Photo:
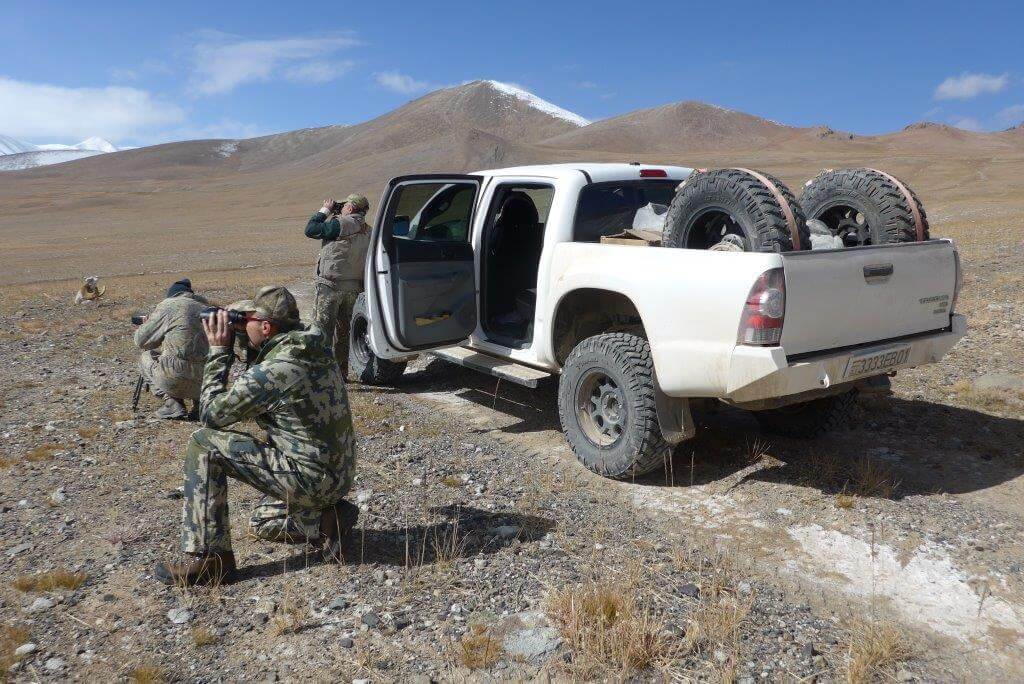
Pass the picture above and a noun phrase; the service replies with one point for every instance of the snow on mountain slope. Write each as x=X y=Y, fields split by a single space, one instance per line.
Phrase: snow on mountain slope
x=9 y=145
x=95 y=143
x=538 y=103
x=30 y=160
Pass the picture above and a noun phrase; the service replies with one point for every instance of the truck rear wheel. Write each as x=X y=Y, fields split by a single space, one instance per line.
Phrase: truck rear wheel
x=865 y=207
x=709 y=205
x=807 y=419
x=606 y=404
x=362 y=362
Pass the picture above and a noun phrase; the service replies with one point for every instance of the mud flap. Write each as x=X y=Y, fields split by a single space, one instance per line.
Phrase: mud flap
x=674 y=416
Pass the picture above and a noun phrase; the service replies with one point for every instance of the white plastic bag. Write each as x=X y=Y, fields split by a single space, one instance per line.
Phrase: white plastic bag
x=651 y=216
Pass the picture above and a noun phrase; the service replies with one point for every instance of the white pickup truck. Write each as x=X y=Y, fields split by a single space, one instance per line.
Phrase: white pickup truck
x=505 y=271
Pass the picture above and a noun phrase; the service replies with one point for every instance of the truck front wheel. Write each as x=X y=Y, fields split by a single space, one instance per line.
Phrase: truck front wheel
x=606 y=404
x=369 y=368
x=807 y=419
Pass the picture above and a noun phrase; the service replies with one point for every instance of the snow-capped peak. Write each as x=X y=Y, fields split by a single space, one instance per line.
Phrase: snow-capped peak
x=538 y=103
x=9 y=145
x=96 y=143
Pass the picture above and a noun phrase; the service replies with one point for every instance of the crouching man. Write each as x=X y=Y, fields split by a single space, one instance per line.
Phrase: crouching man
x=174 y=350
x=295 y=392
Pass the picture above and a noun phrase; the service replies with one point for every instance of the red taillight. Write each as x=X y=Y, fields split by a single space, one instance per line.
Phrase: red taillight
x=653 y=173
x=765 y=310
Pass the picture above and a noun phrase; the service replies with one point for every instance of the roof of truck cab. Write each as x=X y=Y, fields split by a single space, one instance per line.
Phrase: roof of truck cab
x=597 y=172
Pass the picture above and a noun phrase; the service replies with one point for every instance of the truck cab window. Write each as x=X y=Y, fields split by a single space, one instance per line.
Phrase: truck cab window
x=609 y=208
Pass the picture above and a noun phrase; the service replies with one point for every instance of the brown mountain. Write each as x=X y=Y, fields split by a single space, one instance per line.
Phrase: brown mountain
x=202 y=203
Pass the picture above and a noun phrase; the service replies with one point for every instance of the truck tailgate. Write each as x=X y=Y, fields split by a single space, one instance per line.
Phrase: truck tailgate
x=841 y=298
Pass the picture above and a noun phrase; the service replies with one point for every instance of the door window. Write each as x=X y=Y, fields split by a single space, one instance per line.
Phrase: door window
x=433 y=212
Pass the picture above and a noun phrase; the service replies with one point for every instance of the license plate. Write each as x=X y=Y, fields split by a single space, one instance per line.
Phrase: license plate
x=876 y=362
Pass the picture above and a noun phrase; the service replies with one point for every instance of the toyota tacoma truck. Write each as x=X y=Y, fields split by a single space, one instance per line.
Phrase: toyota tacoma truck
x=511 y=272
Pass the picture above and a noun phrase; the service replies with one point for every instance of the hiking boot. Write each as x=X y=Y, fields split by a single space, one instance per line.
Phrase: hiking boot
x=173 y=409
x=336 y=525
x=193 y=415
x=207 y=568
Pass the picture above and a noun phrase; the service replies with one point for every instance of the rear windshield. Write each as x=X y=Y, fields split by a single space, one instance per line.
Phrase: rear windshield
x=609 y=208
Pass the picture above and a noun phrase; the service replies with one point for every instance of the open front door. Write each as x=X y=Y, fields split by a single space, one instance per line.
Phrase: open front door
x=424 y=275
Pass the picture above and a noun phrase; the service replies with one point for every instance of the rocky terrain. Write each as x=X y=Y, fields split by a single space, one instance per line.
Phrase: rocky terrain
x=477 y=555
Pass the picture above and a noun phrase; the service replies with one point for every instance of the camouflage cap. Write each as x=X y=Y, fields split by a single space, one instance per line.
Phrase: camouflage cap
x=274 y=303
x=358 y=202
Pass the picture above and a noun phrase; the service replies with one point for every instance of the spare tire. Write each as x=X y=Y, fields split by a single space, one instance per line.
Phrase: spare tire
x=865 y=207
x=750 y=204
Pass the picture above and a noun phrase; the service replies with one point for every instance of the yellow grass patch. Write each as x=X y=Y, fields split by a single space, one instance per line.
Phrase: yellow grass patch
x=50 y=581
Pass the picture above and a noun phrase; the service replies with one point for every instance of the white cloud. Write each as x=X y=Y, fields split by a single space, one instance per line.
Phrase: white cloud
x=967 y=123
x=222 y=62
x=318 y=72
x=1012 y=115
x=40 y=110
x=586 y=85
x=224 y=128
x=117 y=74
x=968 y=85
x=400 y=83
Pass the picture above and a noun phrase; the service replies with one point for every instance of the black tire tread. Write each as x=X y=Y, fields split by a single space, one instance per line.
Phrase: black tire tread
x=899 y=223
x=634 y=354
x=758 y=201
x=377 y=371
x=810 y=419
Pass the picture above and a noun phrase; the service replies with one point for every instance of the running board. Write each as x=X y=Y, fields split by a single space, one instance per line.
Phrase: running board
x=492 y=365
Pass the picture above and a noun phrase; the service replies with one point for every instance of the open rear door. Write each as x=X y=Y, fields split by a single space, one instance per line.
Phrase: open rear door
x=423 y=269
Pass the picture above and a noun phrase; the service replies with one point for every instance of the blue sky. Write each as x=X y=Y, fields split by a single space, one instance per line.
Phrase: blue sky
x=141 y=72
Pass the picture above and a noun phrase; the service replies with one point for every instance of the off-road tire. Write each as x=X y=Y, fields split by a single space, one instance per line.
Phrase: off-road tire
x=745 y=199
x=626 y=360
x=886 y=210
x=363 y=364
x=808 y=419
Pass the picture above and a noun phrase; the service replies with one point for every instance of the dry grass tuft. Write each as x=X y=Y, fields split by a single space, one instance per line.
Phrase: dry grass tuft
x=290 y=617
x=202 y=636
x=874 y=652
x=88 y=432
x=452 y=481
x=41 y=453
x=147 y=674
x=50 y=581
x=609 y=629
x=32 y=326
x=11 y=637
x=844 y=500
x=873 y=478
x=987 y=399
x=479 y=649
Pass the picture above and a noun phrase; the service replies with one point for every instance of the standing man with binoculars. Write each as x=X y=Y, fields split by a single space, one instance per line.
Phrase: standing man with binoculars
x=294 y=391
x=345 y=238
x=174 y=350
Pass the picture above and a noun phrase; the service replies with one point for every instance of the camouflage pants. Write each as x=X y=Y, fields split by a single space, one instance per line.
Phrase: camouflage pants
x=332 y=310
x=296 y=493
x=171 y=377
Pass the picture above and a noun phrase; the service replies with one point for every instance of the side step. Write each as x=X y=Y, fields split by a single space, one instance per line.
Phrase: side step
x=492 y=365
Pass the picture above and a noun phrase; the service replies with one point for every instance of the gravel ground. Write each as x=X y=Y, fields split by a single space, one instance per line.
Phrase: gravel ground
x=483 y=552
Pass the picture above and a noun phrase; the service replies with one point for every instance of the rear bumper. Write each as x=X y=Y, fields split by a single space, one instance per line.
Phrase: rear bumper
x=759 y=373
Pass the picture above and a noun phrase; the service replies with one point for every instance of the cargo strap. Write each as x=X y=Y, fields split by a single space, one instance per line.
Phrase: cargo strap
x=918 y=220
x=787 y=211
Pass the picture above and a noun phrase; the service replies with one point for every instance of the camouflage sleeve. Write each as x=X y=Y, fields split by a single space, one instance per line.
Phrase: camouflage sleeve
x=150 y=334
x=251 y=394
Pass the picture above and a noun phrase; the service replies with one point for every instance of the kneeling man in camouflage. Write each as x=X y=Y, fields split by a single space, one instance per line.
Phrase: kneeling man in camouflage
x=295 y=392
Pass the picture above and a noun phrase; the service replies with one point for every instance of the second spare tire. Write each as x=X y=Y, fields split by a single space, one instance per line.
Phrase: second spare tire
x=865 y=207
x=751 y=205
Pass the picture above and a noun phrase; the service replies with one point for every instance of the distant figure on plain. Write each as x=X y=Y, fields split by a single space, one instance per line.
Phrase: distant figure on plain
x=345 y=238
x=174 y=350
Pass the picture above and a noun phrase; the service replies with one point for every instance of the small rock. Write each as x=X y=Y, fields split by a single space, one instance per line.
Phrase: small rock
x=25 y=649
x=339 y=603
x=54 y=664
x=504 y=531
x=40 y=604
x=455 y=609
x=417 y=481
x=905 y=676
x=58 y=497
x=364 y=496
x=345 y=642
x=179 y=616
x=690 y=590
x=370 y=619
x=20 y=548
x=808 y=651
x=360 y=681
x=744 y=588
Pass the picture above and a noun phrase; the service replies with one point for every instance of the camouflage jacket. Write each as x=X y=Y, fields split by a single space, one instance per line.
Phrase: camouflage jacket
x=343 y=247
x=295 y=392
x=176 y=328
